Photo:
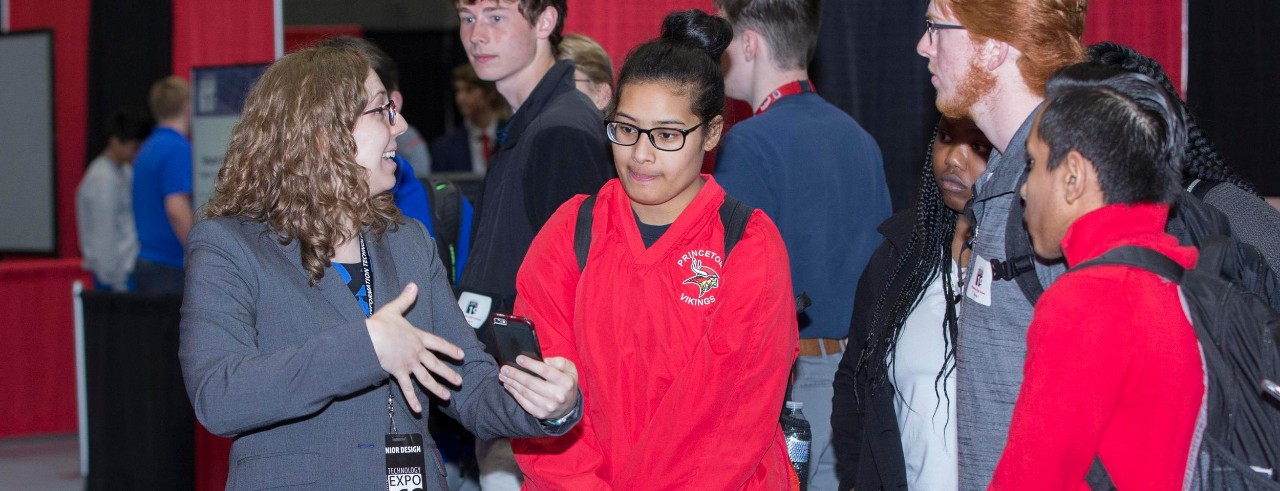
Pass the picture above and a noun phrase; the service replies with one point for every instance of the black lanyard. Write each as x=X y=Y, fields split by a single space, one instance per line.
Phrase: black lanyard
x=368 y=278
x=368 y=289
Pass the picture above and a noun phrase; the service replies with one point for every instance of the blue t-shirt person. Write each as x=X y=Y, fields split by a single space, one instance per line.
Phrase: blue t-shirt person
x=162 y=168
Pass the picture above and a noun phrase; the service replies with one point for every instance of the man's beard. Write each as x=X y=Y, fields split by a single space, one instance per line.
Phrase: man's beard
x=977 y=85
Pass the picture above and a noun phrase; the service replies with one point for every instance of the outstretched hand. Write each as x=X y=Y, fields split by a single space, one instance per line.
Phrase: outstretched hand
x=550 y=397
x=405 y=350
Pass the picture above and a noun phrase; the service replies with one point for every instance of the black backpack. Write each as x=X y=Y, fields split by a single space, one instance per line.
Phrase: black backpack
x=1239 y=337
x=1191 y=220
x=446 y=220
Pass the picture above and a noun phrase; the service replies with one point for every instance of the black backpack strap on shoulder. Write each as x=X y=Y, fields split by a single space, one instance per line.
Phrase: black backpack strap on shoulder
x=1020 y=262
x=1200 y=187
x=446 y=208
x=582 y=231
x=734 y=215
x=1213 y=250
x=1138 y=257
x=430 y=188
x=1098 y=478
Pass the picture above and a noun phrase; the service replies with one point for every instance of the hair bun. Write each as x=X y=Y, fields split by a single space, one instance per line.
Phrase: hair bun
x=710 y=33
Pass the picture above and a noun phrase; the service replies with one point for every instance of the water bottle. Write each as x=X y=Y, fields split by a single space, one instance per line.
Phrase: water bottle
x=796 y=432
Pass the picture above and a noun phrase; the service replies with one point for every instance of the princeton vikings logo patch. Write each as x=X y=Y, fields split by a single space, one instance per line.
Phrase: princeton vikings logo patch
x=703 y=264
x=704 y=277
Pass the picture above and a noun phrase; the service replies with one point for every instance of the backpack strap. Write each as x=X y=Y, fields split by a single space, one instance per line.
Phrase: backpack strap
x=1138 y=257
x=1214 y=251
x=582 y=231
x=1200 y=187
x=446 y=208
x=1098 y=478
x=446 y=220
x=1020 y=256
x=734 y=215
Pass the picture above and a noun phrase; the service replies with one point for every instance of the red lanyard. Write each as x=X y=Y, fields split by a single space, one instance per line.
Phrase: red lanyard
x=790 y=89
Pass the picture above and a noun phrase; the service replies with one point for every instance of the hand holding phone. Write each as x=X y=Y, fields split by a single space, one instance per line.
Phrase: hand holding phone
x=547 y=389
x=514 y=336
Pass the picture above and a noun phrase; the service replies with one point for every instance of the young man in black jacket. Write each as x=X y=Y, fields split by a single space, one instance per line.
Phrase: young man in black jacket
x=551 y=149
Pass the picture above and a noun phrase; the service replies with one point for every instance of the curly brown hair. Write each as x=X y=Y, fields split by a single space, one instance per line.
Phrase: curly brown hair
x=291 y=162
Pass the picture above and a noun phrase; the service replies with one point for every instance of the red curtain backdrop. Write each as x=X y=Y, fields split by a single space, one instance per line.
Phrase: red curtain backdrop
x=69 y=20
x=620 y=26
x=298 y=37
x=1153 y=27
x=37 y=346
x=225 y=32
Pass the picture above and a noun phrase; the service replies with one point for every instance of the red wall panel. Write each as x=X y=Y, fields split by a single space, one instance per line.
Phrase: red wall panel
x=225 y=32
x=37 y=346
x=1153 y=27
x=620 y=26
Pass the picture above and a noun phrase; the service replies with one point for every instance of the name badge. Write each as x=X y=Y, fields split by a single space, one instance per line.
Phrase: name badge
x=405 y=462
x=475 y=308
x=979 y=286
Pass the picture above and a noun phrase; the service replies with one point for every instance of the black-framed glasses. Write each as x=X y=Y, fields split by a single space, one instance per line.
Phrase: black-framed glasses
x=666 y=139
x=932 y=28
x=389 y=108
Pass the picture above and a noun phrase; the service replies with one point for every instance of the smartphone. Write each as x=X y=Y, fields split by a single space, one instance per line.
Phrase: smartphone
x=514 y=336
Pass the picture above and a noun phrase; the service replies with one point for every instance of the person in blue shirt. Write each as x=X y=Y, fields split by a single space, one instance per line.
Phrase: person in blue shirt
x=162 y=207
x=817 y=174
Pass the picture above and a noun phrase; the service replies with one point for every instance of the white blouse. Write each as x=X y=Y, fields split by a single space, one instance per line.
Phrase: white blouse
x=926 y=407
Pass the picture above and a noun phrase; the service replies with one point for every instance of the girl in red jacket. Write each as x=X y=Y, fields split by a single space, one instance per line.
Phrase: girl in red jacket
x=683 y=351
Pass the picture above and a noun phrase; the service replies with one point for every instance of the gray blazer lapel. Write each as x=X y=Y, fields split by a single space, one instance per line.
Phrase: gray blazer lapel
x=330 y=286
x=386 y=280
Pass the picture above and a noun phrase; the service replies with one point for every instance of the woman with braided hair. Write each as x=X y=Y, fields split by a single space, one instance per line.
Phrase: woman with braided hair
x=1252 y=220
x=893 y=420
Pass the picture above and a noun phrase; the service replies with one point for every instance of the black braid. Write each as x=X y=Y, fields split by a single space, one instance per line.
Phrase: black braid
x=922 y=259
x=1201 y=159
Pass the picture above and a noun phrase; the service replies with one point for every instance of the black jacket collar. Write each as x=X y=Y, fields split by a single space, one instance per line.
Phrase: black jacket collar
x=897 y=228
x=556 y=81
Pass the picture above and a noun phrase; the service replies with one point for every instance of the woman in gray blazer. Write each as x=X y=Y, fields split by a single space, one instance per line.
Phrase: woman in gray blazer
x=285 y=346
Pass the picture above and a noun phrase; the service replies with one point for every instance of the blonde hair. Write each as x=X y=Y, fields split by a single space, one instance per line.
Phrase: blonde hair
x=589 y=57
x=169 y=97
x=291 y=162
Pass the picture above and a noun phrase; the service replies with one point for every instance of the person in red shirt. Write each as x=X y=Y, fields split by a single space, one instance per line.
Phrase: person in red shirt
x=683 y=351
x=1113 y=366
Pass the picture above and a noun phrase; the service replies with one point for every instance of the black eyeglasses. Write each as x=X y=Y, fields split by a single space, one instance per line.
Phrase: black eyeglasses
x=666 y=139
x=389 y=108
x=932 y=27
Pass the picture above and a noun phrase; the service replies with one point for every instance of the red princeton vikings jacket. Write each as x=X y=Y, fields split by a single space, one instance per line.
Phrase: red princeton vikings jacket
x=682 y=353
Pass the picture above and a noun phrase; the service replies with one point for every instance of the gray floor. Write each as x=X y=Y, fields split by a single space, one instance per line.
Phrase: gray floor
x=40 y=463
